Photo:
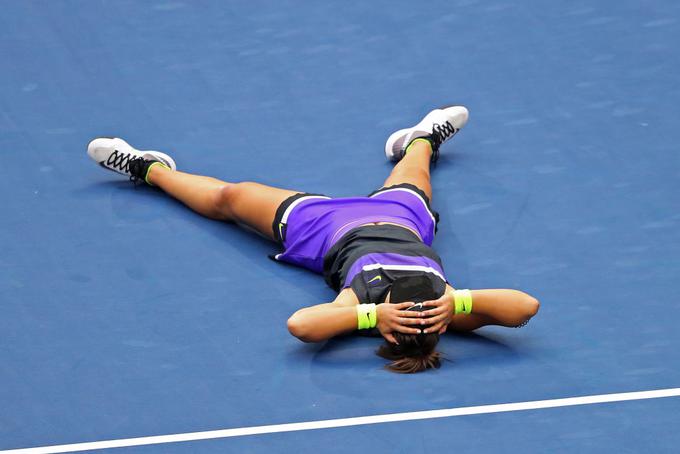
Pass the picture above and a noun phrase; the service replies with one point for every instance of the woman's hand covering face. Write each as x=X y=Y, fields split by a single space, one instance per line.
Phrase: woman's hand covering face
x=440 y=313
x=395 y=317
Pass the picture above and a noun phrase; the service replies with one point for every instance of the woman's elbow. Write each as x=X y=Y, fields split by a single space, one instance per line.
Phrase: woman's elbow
x=299 y=328
x=530 y=307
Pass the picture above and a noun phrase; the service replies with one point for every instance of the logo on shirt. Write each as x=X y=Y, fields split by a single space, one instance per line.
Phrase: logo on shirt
x=377 y=278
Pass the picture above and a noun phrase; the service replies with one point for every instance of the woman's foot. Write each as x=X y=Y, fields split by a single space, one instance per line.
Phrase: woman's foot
x=118 y=156
x=437 y=127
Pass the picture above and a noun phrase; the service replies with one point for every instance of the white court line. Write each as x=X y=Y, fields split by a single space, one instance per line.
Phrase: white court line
x=346 y=422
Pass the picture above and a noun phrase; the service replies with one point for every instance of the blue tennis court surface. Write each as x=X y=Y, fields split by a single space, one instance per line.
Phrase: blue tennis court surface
x=126 y=315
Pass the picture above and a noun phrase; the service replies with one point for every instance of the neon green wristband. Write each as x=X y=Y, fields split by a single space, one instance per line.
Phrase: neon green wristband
x=367 y=316
x=462 y=301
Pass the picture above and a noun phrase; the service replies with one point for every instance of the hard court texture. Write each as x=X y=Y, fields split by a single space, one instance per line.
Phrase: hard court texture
x=123 y=314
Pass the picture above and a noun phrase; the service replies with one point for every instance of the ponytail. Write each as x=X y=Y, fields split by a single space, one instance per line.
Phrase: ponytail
x=414 y=353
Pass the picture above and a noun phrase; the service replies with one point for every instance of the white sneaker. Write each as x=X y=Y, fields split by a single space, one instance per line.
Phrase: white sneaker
x=116 y=154
x=438 y=126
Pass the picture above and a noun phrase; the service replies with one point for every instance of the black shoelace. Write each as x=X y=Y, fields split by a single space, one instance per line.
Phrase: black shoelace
x=118 y=160
x=136 y=167
x=125 y=162
x=439 y=134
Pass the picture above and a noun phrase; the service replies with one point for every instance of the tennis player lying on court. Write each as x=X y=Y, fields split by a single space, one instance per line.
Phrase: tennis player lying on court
x=373 y=250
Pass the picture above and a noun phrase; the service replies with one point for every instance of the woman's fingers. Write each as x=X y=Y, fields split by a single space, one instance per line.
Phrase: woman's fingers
x=413 y=314
x=438 y=302
x=436 y=328
x=406 y=329
x=410 y=321
x=437 y=323
x=398 y=318
x=421 y=321
x=435 y=311
x=390 y=338
x=432 y=302
x=438 y=318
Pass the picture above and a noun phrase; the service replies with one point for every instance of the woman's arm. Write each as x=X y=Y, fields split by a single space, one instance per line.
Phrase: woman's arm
x=502 y=307
x=323 y=321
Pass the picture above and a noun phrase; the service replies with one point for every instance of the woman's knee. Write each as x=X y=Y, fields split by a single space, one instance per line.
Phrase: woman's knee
x=225 y=199
x=229 y=196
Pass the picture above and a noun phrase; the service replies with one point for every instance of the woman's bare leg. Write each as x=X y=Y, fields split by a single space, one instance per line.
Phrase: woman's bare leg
x=414 y=168
x=252 y=205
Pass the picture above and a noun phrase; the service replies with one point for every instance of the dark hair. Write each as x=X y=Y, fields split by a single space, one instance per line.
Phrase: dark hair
x=414 y=352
